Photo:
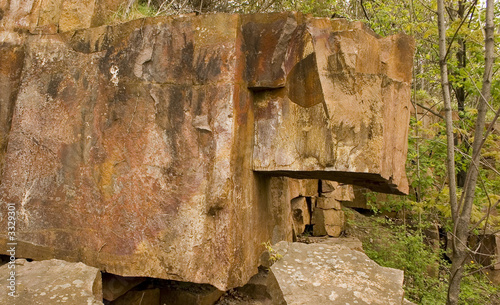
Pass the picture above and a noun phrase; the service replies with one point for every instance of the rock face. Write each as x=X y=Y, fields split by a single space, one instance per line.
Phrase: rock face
x=151 y=148
x=52 y=282
x=323 y=274
x=49 y=17
x=346 y=121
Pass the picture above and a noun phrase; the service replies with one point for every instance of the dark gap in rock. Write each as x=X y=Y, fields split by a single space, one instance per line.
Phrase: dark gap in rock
x=308 y=230
x=365 y=212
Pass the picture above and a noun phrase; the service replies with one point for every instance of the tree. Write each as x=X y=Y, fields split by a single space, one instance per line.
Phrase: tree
x=462 y=209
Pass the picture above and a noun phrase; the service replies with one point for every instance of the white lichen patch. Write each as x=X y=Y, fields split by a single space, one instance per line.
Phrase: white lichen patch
x=333 y=296
x=114 y=74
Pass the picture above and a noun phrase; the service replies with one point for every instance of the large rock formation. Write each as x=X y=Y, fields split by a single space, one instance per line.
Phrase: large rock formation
x=151 y=148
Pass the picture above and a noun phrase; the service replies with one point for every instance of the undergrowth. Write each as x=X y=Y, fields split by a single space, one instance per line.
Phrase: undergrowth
x=393 y=244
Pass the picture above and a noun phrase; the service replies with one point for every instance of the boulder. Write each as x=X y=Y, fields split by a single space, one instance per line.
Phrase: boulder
x=335 y=189
x=303 y=187
x=156 y=147
x=326 y=203
x=341 y=192
x=51 y=282
x=323 y=274
x=327 y=222
x=328 y=186
x=300 y=213
x=345 y=131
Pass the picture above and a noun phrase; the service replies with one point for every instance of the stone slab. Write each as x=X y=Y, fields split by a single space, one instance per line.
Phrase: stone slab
x=51 y=282
x=323 y=274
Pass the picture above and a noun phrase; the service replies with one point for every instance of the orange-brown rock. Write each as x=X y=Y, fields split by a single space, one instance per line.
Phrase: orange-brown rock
x=149 y=148
x=328 y=222
x=300 y=214
x=11 y=58
x=52 y=16
x=343 y=112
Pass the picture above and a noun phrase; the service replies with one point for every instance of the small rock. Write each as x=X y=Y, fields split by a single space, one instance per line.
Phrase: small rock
x=327 y=222
x=52 y=282
x=326 y=203
x=303 y=187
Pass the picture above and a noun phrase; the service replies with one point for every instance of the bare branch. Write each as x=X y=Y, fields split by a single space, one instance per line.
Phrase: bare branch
x=430 y=110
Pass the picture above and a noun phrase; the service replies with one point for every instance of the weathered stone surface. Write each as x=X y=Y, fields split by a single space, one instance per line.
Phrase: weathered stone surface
x=52 y=282
x=119 y=169
x=326 y=203
x=341 y=192
x=303 y=187
x=267 y=39
x=352 y=243
x=300 y=213
x=327 y=222
x=12 y=58
x=322 y=274
x=275 y=192
x=135 y=148
x=328 y=186
x=52 y=16
x=140 y=297
x=76 y=14
x=353 y=132
x=114 y=286
x=494 y=276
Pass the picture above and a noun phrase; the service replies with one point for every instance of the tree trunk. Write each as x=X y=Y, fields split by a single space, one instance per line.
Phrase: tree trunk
x=461 y=220
x=460 y=90
x=450 y=162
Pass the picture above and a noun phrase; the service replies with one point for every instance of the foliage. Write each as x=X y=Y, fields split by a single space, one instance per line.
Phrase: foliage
x=409 y=253
x=274 y=256
x=426 y=273
x=136 y=11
